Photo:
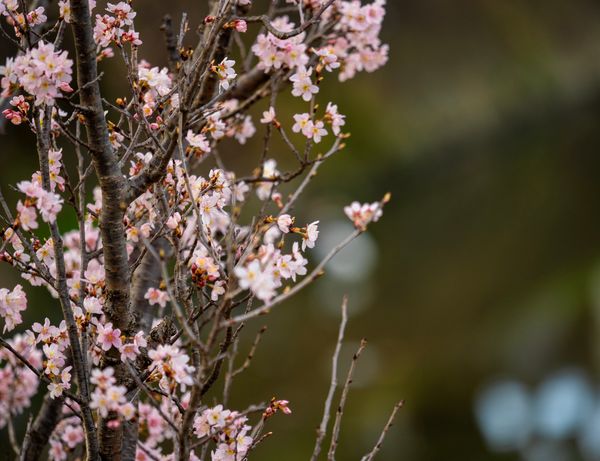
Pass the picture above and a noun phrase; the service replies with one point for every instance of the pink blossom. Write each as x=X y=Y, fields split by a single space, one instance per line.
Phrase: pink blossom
x=284 y=222
x=225 y=72
x=362 y=215
x=198 y=141
x=12 y=303
x=27 y=216
x=156 y=296
x=172 y=364
x=303 y=85
x=94 y=273
x=316 y=131
x=303 y=124
x=311 y=235
x=49 y=205
x=218 y=290
x=130 y=351
x=108 y=336
x=333 y=117
x=268 y=116
x=260 y=280
x=240 y=25
x=103 y=378
x=73 y=435
x=328 y=58
x=45 y=331
x=42 y=72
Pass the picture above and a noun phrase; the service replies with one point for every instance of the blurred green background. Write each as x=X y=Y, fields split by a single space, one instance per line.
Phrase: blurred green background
x=479 y=291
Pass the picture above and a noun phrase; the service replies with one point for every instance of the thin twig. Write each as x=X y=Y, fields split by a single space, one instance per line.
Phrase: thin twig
x=371 y=455
x=322 y=430
x=340 y=410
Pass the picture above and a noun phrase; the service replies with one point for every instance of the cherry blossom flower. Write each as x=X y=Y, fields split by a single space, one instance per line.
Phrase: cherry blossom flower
x=303 y=85
x=130 y=351
x=303 y=124
x=112 y=28
x=56 y=389
x=316 y=131
x=218 y=290
x=122 y=11
x=108 y=399
x=311 y=235
x=261 y=281
x=73 y=435
x=92 y=305
x=284 y=222
x=215 y=126
x=156 y=296
x=103 y=378
x=94 y=273
x=263 y=189
x=362 y=215
x=197 y=142
x=244 y=130
x=225 y=72
x=12 y=303
x=108 y=336
x=45 y=331
x=27 y=216
x=173 y=222
x=333 y=117
x=49 y=205
x=268 y=116
x=172 y=365
x=41 y=71
x=328 y=58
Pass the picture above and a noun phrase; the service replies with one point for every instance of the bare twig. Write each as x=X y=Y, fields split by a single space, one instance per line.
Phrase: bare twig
x=340 y=410
x=371 y=455
x=322 y=430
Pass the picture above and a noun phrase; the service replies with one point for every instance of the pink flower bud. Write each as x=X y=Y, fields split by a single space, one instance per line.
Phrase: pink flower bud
x=241 y=25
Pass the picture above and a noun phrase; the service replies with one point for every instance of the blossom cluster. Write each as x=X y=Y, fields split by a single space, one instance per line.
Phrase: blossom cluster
x=67 y=437
x=228 y=428
x=170 y=364
x=192 y=252
x=108 y=396
x=42 y=72
x=362 y=215
x=47 y=202
x=18 y=384
x=12 y=303
x=155 y=89
x=64 y=8
x=353 y=46
x=116 y=27
x=22 y=22
x=358 y=46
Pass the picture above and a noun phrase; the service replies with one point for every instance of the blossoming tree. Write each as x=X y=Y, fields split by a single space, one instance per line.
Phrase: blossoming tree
x=164 y=269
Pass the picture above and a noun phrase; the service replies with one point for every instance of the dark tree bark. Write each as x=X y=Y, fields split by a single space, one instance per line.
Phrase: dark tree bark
x=112 y=184
x=39 y=433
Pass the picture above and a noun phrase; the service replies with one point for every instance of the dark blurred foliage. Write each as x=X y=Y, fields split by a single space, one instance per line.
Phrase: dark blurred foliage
x=485 y=126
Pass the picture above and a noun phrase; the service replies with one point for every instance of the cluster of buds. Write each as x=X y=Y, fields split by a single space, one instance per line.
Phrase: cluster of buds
x=22 y=23
x=362 y=215
x=204 y=271
x=276 y=405
x=16 y=117
x=238 y=24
